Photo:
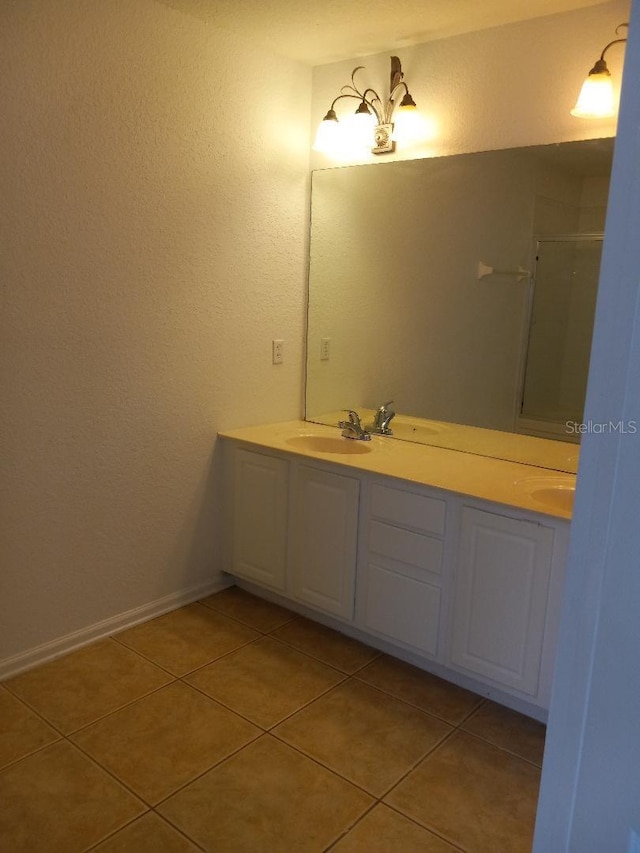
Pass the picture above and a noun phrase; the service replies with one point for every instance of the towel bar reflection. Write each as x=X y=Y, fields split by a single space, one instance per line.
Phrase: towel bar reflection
x=485 y=270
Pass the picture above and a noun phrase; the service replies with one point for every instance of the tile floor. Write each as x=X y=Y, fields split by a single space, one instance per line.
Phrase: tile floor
x=234 y=725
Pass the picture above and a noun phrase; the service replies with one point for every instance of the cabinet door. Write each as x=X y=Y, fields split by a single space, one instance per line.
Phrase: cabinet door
x=260 y=518
x=401 y=608
x=323 y=540
x=501 y=591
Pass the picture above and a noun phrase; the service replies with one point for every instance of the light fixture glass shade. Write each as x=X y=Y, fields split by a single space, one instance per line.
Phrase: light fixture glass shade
x=329 y=137
x=358 y=129
x=596 y=98
x=408 y=125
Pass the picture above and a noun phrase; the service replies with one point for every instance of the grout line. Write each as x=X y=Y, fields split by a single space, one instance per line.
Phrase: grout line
x=29 y=754
x=111 y=773
x=264 y=631
x=257 y=640
x=113 y=711
x=224 y=705
x=214 y=766
x=199 y=666
x=179 y=830
x=35 y=711
x=454 y=844
x=235 y=619
x=351 y=828
x=395 y=698
x=150 y=811
x=115 y=832
x=434 y=714
x=501 y=748
x=320 y=660
x=141 y=655
x=369 y=662
x=483 y=701
x=272 y=726
x=221 y=657
x=417 y=763
x=139 y=796
x=320 y=763
x=310 y=702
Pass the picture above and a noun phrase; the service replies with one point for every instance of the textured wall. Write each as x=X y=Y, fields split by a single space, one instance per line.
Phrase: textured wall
x=154 y=183
x=499 y=88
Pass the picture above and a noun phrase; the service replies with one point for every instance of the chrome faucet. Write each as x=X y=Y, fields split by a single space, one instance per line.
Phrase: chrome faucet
x=383 y=417
x=353 y=428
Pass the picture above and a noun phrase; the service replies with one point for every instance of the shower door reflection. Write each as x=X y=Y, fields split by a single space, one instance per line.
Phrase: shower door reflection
x=565 y=288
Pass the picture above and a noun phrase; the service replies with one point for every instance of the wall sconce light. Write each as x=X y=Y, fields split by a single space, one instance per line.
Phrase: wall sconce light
x=371 y=126
x=596 y=96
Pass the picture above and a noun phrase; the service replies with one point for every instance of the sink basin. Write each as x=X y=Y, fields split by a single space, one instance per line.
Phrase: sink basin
x=329 y=444
x=417 y=431
x=552 y=492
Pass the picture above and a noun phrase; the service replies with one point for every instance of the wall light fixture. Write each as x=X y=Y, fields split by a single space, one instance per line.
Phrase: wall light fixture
x=376 y=124
x=596 y=96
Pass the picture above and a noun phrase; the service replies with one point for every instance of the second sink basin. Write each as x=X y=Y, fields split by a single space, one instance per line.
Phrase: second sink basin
x=552 y=492
x=329 y=444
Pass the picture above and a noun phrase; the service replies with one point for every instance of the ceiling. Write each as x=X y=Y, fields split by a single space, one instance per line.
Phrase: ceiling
x=316 y=32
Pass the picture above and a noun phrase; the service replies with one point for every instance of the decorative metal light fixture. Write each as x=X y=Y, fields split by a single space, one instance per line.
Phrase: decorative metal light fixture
x=596 y=96
x=372 y=124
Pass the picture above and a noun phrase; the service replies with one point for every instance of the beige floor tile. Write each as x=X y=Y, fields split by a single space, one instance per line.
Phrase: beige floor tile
x=474 y=794
x=419 y=688
x=368 y=737
x=186 y=639
x=265 y=681
x=326 y=645
x=508 y=729
x=253 y=611
x=385 y=831
x=266 y=799
x=148 y=834
x=165 y=740
x=83 y=686
x=59 y=800
x=21 y=731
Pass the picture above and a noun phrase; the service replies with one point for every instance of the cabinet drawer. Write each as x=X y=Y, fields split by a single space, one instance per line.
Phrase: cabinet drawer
x=407 y=509
x=402 y=608
x=406 y=546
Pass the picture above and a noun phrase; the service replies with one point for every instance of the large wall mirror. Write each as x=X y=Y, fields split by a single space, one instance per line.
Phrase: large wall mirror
x=462 y=288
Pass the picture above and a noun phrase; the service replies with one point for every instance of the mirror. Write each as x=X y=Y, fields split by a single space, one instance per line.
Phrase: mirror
x=458 y=287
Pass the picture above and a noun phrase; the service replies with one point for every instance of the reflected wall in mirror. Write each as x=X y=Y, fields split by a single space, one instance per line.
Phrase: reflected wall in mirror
x=394 y=288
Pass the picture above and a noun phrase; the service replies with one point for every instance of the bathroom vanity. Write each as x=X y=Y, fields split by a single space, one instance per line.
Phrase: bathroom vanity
x=451 y=561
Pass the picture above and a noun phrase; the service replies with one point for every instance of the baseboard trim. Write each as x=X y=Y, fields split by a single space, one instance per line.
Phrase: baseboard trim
x=70 y=642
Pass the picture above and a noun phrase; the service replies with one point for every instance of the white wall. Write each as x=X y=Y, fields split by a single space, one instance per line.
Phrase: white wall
x=499 y=88
x=154 y=178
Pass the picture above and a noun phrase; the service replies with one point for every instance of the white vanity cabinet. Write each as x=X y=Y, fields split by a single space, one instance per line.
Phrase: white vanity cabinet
x=502 y=579
x=400 y=576
x=463 y=587
x=295 y=529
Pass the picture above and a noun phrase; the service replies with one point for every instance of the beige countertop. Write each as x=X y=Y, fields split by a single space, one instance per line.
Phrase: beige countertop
x=512 y=483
